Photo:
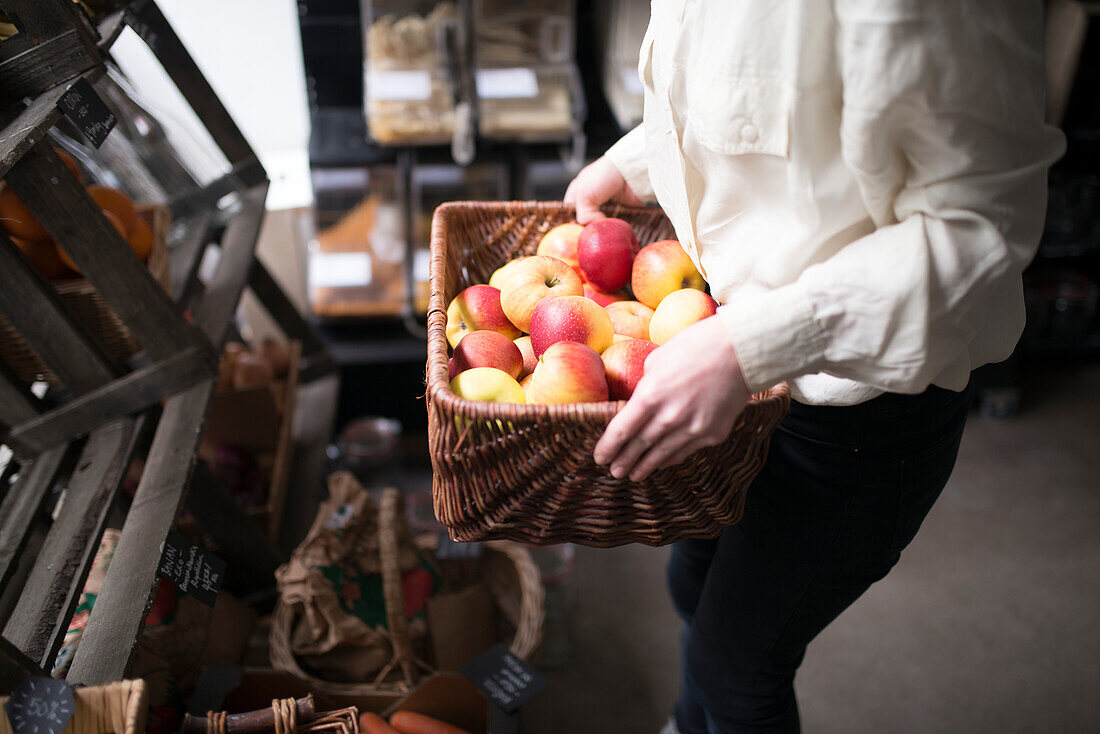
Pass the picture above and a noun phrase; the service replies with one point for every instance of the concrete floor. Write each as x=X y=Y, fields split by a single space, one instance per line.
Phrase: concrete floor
x=990 y=622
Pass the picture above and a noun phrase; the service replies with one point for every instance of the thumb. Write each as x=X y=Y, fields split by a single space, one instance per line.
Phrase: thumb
x=588 y=209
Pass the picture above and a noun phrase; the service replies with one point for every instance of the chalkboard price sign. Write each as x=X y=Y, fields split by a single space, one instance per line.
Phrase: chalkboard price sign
x=40 y=706
x=82 y=105
x=191 y=569
x=503 y=678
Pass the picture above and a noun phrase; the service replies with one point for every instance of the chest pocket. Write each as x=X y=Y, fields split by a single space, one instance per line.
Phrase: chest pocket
x=736 y=115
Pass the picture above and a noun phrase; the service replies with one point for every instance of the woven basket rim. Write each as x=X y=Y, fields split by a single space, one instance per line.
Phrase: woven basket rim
x=439 y=386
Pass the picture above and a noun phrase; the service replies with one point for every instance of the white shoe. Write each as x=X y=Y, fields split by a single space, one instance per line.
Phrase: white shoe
x=670 y=727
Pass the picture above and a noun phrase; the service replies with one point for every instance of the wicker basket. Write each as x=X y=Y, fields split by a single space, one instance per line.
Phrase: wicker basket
x=513 y=579
x=89 y=310
x=525 y=472
x=117 y=708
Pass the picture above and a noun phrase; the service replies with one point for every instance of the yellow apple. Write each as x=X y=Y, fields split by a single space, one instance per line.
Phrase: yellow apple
x=531 y=280
x=660 y=269
x=487 y=384
x=677 y=311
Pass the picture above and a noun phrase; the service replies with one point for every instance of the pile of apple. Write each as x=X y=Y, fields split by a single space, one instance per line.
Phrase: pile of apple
x=575 y=322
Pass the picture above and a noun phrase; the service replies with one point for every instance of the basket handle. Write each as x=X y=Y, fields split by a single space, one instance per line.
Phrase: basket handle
x=389 y=516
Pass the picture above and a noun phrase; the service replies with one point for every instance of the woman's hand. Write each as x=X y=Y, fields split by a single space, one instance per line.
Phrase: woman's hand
x=598 y=183
x=689 y=397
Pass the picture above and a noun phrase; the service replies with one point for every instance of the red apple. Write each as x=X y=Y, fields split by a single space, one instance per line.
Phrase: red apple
x=561 y=242
x=487 y=384
x=605 y=251
x=630 y=318
x=568 y=372
x=660 y=269
x=530 y=361
x=486 y=348
x=451 y=371
x=591 y=291
x=477 y=307
x=677 y=311
x=531 y=280
x=625 y=363
x=570 y=319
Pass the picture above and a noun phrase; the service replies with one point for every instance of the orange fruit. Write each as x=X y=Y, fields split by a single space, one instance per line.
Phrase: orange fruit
x=141 y=239
x=70 y=163
x=117 y=203
x=17 y=219
x=44 y=255
x=115 y=222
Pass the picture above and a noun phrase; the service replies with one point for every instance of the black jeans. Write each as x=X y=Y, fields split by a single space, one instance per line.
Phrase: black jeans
x=844 y=490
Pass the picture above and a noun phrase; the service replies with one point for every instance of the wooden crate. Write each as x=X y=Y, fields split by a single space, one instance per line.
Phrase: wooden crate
x=104 y=417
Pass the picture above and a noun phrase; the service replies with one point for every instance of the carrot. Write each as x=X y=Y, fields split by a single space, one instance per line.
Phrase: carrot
x=406 y=722
x=372 y=723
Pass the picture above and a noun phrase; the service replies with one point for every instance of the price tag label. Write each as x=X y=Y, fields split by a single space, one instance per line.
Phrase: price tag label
x=40 y=706
x=398 y=85
x=518 y=83
x=191 y=569
x=503 y=678
x=447 y=548
x=339 y=270
x=82 y=105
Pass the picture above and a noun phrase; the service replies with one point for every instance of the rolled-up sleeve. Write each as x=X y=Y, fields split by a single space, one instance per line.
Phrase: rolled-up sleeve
x=628 y=155
x=942 y=126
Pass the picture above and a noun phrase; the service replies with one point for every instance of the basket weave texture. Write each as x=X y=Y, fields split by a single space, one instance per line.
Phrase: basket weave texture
x=525 y=472
x=90 y=310
x=116 y=708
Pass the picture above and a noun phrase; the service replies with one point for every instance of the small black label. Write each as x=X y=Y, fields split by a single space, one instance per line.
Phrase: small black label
x=505 y=680
x=448 y=549
x=40 y=706
x=82 y=105
x=191 y=569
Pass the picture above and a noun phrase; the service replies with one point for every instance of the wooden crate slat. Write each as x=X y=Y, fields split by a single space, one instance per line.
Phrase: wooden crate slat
x=14 y=667
x=40 y=20
x=71 y=217
x=251 y=559
x=149 y=23
x=118 y=616
x=219 y=301
x=45 y=65
x=27 y=128
x=187 y=254
x=17 y=404
x=128 y=394
x=22 y=503
x=30 y=304
x=110 y=27
x=274 y=300
x=40 y=619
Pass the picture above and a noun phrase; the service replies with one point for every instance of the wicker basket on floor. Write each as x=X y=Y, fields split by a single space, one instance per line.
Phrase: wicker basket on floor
x=525 y=472
x=116 y=708
x=507 y=568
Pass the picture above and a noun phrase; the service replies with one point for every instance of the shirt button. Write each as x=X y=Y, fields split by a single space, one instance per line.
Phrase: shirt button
x=749 y=133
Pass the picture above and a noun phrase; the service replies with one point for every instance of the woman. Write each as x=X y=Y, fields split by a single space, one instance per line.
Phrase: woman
x=862 y=183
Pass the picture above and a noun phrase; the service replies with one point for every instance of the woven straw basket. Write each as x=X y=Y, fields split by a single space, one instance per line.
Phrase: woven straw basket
x=117 y=708
x=525 y=472
x=88 y=309
x=508 y=569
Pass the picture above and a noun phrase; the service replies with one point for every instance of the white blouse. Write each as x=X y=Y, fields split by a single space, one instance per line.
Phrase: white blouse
x=861 y=182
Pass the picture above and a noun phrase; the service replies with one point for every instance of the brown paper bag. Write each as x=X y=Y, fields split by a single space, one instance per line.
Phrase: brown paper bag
x=333 y=586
